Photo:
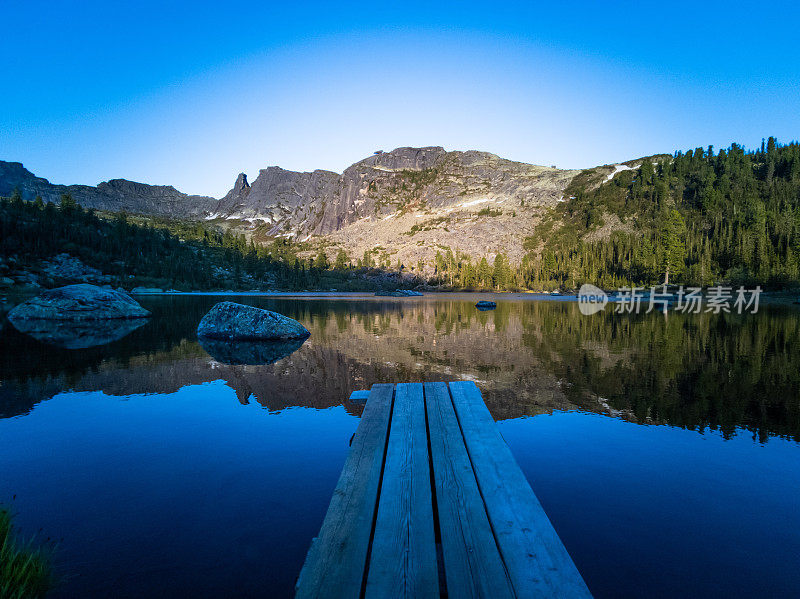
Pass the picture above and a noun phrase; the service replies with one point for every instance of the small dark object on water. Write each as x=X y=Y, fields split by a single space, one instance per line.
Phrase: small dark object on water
x=485 y=305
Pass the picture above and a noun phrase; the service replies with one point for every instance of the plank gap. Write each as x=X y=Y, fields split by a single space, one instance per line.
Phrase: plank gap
x=437 y=531
x=363 y=590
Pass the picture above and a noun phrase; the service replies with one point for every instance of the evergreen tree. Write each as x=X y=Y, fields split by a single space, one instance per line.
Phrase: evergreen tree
x=68 y=204
x=484 y=273
x=321 y=261
x=673 y=246
x=342 y=260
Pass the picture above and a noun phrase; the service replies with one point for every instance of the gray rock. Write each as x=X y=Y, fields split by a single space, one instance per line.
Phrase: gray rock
x=78 y=303
x=277 y=193
x=445 y=191
x=236 y=197
x=237 y=322
x=6 y=282
x=68 y=268
x=485 y=305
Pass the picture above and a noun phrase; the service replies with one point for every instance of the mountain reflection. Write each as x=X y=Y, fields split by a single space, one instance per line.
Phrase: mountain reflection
x=700 y=372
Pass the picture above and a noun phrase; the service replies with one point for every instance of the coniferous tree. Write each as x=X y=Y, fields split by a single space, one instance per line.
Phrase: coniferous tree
x=342 y=260
x=673 y=247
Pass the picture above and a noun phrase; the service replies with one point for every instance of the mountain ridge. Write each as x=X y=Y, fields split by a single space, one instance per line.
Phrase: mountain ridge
x=401 y=206
x=489 y=201
x=116 y=195
x=426 y=213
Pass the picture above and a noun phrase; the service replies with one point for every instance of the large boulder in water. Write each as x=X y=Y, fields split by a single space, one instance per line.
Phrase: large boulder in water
x=78 y=303
x=230 y=321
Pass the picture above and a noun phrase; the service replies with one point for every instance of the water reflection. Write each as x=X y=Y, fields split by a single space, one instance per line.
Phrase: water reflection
x=68 y=334
x=252 y=353
x=700 y=372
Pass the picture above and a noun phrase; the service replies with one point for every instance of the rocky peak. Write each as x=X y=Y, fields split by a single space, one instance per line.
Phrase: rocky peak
x=241 y=185
x=132 y=188
x=404 y=158
x=235 y=198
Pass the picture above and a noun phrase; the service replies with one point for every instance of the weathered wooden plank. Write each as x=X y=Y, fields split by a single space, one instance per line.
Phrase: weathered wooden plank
x=472 y=564
x=336 y=562
x=534 y=556
x=403 y=554
x=359 y=395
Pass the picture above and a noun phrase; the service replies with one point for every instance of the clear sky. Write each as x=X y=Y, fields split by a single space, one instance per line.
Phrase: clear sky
x=190 y=94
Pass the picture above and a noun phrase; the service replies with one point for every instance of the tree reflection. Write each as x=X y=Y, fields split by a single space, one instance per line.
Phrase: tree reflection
x=697 y=371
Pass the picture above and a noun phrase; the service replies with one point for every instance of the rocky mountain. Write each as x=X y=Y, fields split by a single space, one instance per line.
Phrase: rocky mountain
x=285 y=200
x=116 y=195
x=402 y=205
x=419 y=180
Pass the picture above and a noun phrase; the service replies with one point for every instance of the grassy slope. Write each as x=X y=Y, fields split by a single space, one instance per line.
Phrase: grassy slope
x=25 y=571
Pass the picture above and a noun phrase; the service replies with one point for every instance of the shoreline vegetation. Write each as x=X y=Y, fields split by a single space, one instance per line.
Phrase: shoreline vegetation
x=780 y=297
x=25 y=568
x=698 y=218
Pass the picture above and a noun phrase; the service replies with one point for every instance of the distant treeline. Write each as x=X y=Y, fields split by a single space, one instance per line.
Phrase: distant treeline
x=153 y=251
x=697 y=218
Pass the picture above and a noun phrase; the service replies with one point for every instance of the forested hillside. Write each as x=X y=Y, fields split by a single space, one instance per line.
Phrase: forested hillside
x=699 y=216
x=150 y=251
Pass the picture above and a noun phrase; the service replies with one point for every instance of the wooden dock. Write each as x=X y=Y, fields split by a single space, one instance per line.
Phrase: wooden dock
x=431 y=503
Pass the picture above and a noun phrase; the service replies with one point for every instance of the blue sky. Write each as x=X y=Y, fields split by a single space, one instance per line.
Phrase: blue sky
x=190 y=94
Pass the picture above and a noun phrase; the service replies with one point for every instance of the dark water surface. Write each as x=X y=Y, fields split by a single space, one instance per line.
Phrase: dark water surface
x=666 y=451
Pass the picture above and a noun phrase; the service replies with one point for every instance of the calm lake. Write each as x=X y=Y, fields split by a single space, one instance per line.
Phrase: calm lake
x=665 y=450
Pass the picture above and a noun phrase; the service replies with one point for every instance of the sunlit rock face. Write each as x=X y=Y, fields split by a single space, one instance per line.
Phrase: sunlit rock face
x=323 y=202
x=229 y=321
x=411 y=200
x=278 y=198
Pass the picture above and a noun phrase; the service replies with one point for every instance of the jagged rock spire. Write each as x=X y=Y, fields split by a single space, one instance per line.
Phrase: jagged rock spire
x=241 y=184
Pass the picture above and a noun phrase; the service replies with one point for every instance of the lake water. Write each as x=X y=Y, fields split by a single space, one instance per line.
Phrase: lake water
x=665 y=450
